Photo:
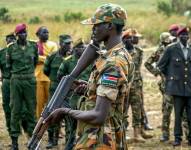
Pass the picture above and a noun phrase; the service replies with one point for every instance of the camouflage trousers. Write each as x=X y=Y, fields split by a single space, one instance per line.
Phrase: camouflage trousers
x=135 y=101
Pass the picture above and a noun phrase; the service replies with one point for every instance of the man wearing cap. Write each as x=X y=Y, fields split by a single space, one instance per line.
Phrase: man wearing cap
x=167 y=104
x=101 y=114
x=51 y=66
x=22 y=57
x=66 y=68
x=45 y=47
x=6 y=81
x=175 y=64
x=144 y=119
x=173 y=31
x=135 y=95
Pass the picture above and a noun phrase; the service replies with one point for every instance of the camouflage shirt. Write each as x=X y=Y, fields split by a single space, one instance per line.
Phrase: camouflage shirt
x=110 y=78
x=149 y=64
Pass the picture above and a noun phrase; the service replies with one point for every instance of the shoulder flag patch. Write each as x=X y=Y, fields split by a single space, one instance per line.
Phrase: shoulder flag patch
x=109 y=80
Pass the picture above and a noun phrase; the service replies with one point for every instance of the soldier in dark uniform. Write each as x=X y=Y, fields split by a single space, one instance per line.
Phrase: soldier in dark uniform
x=175 y=64
x=51 y=66
x=22 y=57
x=6 y=81
x=167 y=100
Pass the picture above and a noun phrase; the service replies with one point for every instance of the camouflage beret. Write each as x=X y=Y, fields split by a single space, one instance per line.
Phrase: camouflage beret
x=108 y=13
x=65 y=38
x=166 y=37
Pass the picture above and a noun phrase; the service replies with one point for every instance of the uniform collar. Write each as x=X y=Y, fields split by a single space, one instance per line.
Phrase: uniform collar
x=182 y=46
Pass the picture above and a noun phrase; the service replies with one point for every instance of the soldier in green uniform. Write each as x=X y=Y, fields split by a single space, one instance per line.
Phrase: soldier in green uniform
x=135 y=95
x=51 y=66
x=167 y=104
x=22 y=57
x=65 y=68
x=6 y=81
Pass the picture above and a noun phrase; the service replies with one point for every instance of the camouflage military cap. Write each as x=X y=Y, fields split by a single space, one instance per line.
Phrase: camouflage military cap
x=65 y=38
x=131 y=32
x=166 y=37
x=108 y=13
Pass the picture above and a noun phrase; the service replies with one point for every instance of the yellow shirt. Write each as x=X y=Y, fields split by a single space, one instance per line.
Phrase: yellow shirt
x=48 y=48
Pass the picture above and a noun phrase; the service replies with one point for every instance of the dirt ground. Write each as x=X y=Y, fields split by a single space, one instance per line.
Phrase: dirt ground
x=152 y=100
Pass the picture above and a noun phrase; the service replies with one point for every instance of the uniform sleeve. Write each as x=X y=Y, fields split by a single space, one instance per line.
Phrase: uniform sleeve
x=164 y=60
x=62 y=71
x=8 y=60
x=36 y=55
x=46 y=68
x=108 y=83
x=154 y=58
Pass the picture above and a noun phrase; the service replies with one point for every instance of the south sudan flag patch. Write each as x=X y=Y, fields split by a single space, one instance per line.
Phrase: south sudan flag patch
x=109 y=80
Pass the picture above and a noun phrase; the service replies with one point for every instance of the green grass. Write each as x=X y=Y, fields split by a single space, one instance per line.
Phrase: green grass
x=142 y=14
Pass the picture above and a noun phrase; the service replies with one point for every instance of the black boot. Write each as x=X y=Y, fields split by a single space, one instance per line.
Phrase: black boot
x=50 y=144
x=14 y=145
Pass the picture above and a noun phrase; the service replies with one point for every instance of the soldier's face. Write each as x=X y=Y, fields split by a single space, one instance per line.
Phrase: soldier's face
x=22 y=35
x=65 y=46
x=100 y=32
x=79 y=50
x=44 y=34
x=135 y=40
x=184 y=37
x=173 y=33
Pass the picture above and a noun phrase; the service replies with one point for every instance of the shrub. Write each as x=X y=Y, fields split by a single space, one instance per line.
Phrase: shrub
x=4 y=16
x=34 y=20
x=165 y=8
x=73 y=16
x=57 y=18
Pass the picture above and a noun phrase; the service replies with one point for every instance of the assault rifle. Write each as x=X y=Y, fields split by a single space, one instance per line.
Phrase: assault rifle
x=58 y=100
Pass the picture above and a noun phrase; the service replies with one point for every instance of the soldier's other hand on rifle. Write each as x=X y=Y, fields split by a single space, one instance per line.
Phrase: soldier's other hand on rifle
x=81 y=88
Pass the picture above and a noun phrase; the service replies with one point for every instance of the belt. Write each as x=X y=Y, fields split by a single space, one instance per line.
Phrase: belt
x=22 y=76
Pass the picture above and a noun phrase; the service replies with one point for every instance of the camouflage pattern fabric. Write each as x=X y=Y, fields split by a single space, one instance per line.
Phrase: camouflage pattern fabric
x=110 y=78
x=108 y=13
x=135 y=95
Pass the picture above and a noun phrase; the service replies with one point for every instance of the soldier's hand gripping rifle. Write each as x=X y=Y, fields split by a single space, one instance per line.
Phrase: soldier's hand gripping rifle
x=59 y=97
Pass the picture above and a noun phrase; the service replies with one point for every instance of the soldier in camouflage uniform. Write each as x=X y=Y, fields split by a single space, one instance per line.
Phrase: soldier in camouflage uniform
x=22 y=57
x=135 y=95
x=51 y=66
x=167 y=104
x=6 y=81
x=101 y=114
x=65 y=68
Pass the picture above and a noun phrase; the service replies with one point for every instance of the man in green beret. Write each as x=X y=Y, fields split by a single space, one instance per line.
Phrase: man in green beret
x=51 y=66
